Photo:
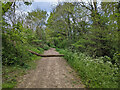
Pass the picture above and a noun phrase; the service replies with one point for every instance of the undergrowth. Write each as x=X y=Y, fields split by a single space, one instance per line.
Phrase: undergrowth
x=95 y=73
x=11 y=73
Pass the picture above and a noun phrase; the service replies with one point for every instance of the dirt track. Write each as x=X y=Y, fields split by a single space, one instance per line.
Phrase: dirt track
x=51 y=72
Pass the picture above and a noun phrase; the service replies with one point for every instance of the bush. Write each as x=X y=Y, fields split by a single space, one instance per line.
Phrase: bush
x=14 y=54
x=46 y=47
x=53 y=46
x=63 y=44
x=17 y=54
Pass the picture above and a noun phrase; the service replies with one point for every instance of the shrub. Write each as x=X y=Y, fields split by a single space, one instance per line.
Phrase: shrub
x=46 y=47
x=14 y=54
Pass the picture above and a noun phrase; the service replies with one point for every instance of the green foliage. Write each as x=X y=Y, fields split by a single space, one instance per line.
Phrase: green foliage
x=12 y=73
x=13 y=54
x=15 y=51
x=78 y=27
x=53 y=46
x=116 y=59
x=63 y=44
x=8 y=85
x=6 y=7
x=98 y=35
x=45 y=47
x=95 y=73
x=37 y=42
x=18 y=38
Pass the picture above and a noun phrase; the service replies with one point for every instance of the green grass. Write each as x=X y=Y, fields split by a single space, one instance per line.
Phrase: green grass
x=94 y=73
x=12 y=73
x=8 y=85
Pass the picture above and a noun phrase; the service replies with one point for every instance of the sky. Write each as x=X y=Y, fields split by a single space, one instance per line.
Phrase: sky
x=47 y=6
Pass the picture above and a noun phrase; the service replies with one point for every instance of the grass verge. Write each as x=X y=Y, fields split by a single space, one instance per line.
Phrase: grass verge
x=94 y=73
x=10 y=74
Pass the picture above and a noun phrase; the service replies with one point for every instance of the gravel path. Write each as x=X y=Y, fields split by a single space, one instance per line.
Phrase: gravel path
x=51 y=72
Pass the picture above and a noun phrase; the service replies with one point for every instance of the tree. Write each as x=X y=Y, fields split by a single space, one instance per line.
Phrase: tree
x=36 y=21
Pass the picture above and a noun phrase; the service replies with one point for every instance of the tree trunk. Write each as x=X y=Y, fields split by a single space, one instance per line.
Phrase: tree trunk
x=60 y=55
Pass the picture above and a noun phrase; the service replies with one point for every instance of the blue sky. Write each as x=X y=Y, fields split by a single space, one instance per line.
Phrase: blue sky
x=47 y=6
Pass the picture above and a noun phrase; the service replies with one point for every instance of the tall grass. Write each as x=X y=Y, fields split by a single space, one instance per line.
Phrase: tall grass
x=95 y=73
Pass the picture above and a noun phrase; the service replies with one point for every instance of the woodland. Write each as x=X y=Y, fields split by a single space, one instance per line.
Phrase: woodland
x=87 y=33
